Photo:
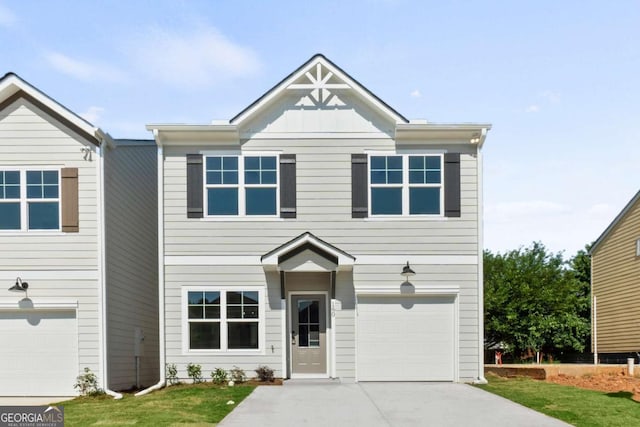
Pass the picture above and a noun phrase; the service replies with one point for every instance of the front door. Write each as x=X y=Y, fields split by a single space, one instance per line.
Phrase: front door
x=308 y=334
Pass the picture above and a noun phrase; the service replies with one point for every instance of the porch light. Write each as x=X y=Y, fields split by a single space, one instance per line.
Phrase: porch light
x=20 y=286
x=407 y=271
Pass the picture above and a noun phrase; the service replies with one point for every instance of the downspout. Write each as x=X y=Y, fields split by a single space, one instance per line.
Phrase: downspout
x=161 y=319
x=105 y=141
x=481 y=379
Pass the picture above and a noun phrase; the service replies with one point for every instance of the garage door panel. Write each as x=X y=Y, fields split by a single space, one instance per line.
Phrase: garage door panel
x=406 y=338
x=39 y=352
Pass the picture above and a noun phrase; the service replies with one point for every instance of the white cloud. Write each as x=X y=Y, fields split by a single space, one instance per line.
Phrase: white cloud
x=7 y=17
x=84 y=70
x=532 y=109
x=93 y=114
x=200 y=56
x=416 y=94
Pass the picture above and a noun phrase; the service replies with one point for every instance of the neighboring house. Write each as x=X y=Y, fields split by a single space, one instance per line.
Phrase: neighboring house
x=78 y=223
x=284 y=232
x=615 y=280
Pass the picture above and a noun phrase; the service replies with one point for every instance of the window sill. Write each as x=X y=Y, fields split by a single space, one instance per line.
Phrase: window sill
x=406 y=218
x=32 y=233
x=257 y=218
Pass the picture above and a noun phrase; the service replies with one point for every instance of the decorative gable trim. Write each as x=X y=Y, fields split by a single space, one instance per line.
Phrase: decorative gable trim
x=318 y=85
x=307 y=241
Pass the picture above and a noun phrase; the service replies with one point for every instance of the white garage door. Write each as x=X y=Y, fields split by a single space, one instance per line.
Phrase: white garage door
x=38 y=352
x=406 y=338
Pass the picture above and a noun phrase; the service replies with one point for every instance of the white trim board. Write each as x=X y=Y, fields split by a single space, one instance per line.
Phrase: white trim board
x=360 y=259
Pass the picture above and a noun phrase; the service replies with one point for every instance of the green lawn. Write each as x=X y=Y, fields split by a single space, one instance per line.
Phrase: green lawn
x=583 y=408
x=194 y=405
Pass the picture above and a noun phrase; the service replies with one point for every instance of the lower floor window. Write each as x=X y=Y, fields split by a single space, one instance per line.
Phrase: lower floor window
x=223 y=319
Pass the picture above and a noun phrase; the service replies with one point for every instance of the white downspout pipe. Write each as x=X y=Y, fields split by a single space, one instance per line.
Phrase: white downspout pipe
x=161 y=319
x=102 y=246
x=481 y=379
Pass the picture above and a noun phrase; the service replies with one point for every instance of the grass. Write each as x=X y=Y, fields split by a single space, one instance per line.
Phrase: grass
x=582 y=408
x=181 y=405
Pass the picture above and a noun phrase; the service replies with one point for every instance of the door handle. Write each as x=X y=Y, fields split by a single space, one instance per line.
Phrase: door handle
x=293 y=337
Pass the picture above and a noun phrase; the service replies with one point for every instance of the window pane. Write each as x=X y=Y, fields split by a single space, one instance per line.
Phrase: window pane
x=416 y=162
x=394 y=162
x=252 y=177
x=432 y=162
x=196 y=298
x=386 y=201
x=416 y=177
x=394 y=177
x=250 y=312
x=34 y=191
x=261 y=201
x=195 y=312
x=303 y=336
x=212 y=297
x=378 y=177
x=234 y=297
x=234 y=311
x=214 y=163
x=303 y=311
x=12 y=177
x=34 y=177
x=11 y=191
x=9 y=216
x=250 y=297
x=252 y=163
x=433 y=177
x=314 y=310
x=314 y=336
x=269 y=177
x=229 y=177
x=50 y=191
x=43 y=216
x=243 y=335
x=268 y=163
x=424 y=201
x=214 y=177
x=222 y=201
x=230 y=163
x=204 y=335
x=50 y=177
x=212 y=312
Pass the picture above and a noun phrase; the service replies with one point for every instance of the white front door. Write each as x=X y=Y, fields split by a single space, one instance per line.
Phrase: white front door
x=308 y=334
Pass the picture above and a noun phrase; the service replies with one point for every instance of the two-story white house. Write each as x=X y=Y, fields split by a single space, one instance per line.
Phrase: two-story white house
x=285 y=231
x=78 y=250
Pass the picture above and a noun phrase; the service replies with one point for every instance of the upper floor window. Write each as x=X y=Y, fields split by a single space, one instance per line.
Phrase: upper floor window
x=406 y=184
x=241 y=185
x=29 y=200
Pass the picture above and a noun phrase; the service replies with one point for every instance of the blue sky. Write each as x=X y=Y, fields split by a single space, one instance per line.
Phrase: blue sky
x=559 y=81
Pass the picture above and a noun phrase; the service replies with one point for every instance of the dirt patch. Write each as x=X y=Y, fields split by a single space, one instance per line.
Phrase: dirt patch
x=608 y=383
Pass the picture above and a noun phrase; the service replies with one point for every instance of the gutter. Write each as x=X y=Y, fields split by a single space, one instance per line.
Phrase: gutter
x=104 y=140
x=161 y=319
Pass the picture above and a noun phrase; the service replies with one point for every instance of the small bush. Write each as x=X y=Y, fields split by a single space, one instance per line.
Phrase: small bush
x=172 y=374
x=87 y=384
x=237 y=375
x=195 y=373
x=219 y=376
x=265 y=373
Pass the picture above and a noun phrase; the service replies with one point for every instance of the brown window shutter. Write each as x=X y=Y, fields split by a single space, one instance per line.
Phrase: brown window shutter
x=194 y=186
x=69 y=200
x=359 y=186
x=452 y=184
x=287 y=186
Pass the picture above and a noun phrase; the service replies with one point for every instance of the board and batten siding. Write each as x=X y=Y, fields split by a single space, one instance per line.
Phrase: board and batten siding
x=616 y=284
x=58 y=266
x=323 y=173
x=132 y=262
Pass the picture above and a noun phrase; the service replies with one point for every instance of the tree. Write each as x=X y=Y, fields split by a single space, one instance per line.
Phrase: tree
x=534 y=301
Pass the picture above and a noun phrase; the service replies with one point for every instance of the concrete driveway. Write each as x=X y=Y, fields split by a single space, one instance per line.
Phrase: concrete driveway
x=380 y=404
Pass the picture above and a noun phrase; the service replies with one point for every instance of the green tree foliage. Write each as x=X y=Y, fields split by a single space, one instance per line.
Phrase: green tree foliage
x=536 y=301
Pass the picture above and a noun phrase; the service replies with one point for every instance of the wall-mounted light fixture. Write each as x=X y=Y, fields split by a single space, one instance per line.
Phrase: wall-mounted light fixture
x=20 y=286
x=407 y=271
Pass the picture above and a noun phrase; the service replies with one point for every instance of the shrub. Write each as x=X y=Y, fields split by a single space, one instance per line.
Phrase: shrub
x=172 y=374
x=265 y=373
x=237 y=375
x=195 y=373
x=219 y=376
x=87 y=384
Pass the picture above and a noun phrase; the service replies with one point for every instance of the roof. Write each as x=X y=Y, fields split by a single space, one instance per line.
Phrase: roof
x=307 y=241
x=305 y=68
x=133 y=142
x=614 y=223
x=13 y=87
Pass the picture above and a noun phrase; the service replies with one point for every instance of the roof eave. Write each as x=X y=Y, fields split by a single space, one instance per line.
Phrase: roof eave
x=614 y=223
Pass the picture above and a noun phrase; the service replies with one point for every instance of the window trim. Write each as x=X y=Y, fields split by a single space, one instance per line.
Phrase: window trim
x=405 y=185
x=24 y=201
x=224 y=342
x=241 y=186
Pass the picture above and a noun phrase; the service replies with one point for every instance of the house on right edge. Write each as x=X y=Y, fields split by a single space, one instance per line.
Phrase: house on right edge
x=615 y=287
x=285 y=232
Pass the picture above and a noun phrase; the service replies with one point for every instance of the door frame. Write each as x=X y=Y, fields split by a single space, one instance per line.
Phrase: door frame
x=328 y=341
